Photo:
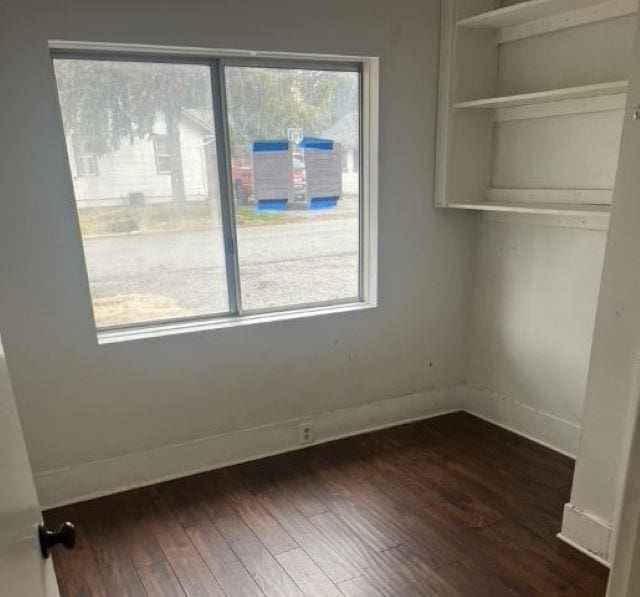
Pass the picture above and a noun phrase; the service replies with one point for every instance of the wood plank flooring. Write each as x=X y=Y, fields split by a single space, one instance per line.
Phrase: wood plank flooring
x=447 y=506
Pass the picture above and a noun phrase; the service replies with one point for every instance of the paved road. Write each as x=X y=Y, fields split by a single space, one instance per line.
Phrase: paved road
x=298 y=262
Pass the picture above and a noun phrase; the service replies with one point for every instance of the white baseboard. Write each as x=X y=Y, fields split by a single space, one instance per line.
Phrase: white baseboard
x=587 y=532
x=580 y=529
x=543 y=428
x=93 y=479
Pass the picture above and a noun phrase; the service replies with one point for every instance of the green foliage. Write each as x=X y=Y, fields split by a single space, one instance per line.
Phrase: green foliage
x=162 y=217
x=104 y=102
x=264 y=102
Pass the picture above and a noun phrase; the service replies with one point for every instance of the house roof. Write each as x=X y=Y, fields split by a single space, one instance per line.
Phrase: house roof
x=200 y=117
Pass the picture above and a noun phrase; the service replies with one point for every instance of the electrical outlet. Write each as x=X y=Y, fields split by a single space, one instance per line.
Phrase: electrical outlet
x=306 y=433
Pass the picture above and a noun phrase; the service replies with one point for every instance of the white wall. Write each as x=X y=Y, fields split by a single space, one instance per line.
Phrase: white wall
x=534 y=303
x=83 y=403
x=568 y=57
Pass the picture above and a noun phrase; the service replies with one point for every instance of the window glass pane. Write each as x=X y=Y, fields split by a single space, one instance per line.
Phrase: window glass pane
x=294 y=138
x=148 y=192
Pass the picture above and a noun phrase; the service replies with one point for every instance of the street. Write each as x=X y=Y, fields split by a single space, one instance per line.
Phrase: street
x=182 y=274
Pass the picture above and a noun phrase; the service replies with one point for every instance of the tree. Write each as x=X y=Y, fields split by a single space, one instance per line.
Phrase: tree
x=264 y=102
x=105 y=102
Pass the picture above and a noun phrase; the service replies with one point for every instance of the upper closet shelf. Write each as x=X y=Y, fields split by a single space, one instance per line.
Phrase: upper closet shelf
x=543 y=97
x=553 y=209
x=524 y=12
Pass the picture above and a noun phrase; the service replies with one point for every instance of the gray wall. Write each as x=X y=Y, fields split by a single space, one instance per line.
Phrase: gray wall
x=80 y=401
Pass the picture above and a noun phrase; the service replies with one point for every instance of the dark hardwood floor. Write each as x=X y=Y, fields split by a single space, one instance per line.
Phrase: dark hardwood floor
x=447 y=506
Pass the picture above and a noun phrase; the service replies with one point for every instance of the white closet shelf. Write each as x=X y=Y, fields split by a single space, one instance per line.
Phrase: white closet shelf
x=542 y=97
x=563 y=209
x=523 y=12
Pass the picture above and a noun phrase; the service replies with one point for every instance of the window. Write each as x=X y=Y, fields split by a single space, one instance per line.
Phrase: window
x=154 y=246
x=86 y=160
x=261 y=211
x=310 y=251
x=163 y=157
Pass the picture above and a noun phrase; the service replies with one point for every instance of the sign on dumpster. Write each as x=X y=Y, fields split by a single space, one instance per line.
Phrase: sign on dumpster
x=323 y=166
x=272 y=174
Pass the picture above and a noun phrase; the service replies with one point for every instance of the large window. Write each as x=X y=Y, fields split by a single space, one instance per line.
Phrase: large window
x=225 y=188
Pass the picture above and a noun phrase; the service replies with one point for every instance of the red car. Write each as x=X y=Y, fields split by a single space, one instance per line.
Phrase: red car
x=242 y=183
x=243 y=180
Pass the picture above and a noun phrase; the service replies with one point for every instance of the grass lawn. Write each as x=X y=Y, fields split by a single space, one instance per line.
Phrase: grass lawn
x=102 y=221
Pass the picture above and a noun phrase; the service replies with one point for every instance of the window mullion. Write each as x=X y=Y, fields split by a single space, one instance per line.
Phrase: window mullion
x=223 y=155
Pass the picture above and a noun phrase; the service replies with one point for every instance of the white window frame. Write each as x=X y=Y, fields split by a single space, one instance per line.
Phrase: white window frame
x=160 y=156
x=368 y=173
x=86 y=161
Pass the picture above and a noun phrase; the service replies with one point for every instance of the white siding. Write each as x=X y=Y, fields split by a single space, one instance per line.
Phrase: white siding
x=132 y=169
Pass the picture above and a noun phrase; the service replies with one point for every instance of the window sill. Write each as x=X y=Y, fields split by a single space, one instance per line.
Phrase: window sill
x=185 y=327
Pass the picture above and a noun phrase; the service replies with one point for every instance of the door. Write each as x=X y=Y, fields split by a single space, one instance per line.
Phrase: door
x=615 y=357
x=625 y=573
x=23 y=570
